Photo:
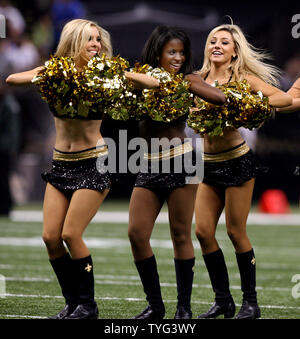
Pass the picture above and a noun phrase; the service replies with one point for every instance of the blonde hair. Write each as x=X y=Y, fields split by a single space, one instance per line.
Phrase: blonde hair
x=248 y=60
x=76 y=34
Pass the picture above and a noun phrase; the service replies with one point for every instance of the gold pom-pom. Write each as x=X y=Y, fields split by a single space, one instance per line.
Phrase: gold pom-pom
x=82 y=94
x=103 y=83
x=56 y=84
x=166 y=103
x=242 y=109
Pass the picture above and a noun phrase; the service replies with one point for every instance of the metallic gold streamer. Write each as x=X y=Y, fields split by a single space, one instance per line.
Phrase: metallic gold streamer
x=76 y=94
x=166 y=103
x=243 y=108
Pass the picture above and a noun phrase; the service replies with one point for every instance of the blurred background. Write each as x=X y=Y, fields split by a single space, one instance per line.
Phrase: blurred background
x=32 y=32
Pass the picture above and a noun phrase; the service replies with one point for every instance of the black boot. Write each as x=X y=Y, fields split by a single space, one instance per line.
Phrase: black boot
x=220 y=308
x=151 y=313
x=184 y=279
x=217 y=270
x=248 y=311
x=247 y=267
x=64 y=270
x=87 y=307
x=147 y=269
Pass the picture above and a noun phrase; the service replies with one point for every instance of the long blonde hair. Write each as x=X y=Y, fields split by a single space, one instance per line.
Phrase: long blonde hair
x=248 y=60
x=75 y=35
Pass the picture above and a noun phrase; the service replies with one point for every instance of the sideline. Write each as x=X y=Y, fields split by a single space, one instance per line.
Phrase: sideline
x=122 y=217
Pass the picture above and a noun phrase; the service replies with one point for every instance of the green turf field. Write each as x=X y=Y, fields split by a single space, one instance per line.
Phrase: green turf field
x=32 y=290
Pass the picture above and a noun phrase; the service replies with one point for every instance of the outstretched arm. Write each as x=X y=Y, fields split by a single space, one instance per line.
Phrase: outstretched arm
x=294 y=91
x=292 y=108
x=23 y=78
x=205 y=91
x=142 y=81
x=277 y=98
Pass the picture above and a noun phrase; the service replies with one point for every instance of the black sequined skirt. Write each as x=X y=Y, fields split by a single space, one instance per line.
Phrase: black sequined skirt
x=233 y=172
x=77 y=173
x=162 y=176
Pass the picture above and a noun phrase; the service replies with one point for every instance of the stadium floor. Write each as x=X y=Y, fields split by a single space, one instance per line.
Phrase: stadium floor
x=32 y=292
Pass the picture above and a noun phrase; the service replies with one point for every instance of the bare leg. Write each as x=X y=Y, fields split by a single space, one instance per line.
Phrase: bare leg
x=56 y=205
x=83 y=207
x=181 y=208
x=143 y=210
x=208 y=208
x=238 y=203
x=237 y=207
x=54 y=212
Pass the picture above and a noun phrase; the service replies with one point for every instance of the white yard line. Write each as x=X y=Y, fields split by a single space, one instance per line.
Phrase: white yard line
x=143 y=300
x=135 y=281
x=119 y=244
x=90 y=242
x=122 y=217
x=15 y=316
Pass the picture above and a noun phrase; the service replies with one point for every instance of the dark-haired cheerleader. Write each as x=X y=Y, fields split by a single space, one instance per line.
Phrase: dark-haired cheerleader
x=168 y=48
x=230 y=169
x=76 y=187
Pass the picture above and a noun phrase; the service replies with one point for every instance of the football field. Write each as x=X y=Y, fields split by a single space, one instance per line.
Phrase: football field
x=28 y=287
